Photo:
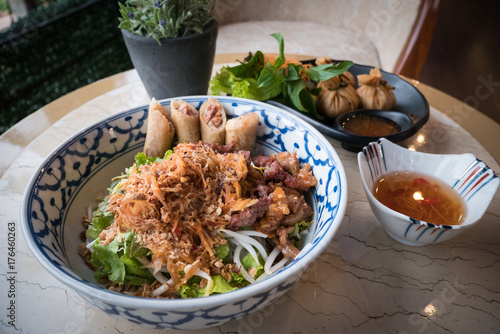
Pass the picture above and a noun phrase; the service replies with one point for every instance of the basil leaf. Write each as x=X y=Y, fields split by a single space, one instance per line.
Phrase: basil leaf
x=327 y=71
x=293 y=91
x=281 y=42
x=308 y=102
x=269 y=77
x=249 y=69
x=293 y=72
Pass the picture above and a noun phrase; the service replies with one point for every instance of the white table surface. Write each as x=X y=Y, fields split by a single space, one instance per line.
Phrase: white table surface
x=364 y=281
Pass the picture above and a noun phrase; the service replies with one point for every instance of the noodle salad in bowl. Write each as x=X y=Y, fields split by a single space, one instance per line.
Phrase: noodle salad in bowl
x=208 y=231
x=205 y=219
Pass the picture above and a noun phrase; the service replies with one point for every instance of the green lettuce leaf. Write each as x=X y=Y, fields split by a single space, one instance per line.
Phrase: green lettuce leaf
x=141 y=158
x=249 y=69
x=221 y=285
x=222 y=82
x=192 y=288
x=297 y=229
x=101 y=219
x=249 y=262
x=258 y=81
x=222 y=251
x=249 y=89
x=238 y=280
x=117 y=261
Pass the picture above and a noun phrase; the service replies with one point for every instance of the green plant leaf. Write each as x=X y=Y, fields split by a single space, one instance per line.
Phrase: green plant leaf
x=221 y=285
x=269 y=77
x=293 y=72
x=327 y=71
x=281 y=57
x=250 y=69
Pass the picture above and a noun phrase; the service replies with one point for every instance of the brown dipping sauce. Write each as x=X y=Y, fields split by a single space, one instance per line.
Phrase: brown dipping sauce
x=370 y=125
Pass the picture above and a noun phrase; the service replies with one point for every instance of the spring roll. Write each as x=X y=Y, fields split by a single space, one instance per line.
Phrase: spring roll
x=186 y=121
x=212 y=121
x=243 y=131
x=160 y=131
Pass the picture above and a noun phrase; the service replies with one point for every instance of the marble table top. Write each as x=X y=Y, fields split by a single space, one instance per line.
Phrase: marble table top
x=364 y=281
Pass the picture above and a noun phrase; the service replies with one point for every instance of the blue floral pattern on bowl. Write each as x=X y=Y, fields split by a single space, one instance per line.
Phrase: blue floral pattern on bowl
x=80 y=169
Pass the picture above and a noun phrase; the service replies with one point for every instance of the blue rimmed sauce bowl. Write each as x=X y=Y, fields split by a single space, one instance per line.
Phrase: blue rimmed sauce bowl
x=470 y=177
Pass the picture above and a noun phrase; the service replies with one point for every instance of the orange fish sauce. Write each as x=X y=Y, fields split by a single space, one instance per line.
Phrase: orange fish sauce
x=421 y=197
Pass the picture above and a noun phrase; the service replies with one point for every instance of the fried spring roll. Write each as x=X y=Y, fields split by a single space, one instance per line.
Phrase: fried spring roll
x=212 y=121
x=186 y=121
x=160 y=131
x=243 y=131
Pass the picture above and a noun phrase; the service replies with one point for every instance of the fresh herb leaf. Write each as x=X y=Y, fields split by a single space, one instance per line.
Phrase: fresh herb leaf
x=141 y=158
x=221 y=285
x=107 y=260
x=192 y=288
x=117 y=262
x=295 y=84
x=222 y=251
x=293 y=72
x=327 y=71
x=294 y=237
x=249 y=262
x=101 y=219
x=249 y=69
x=281 y=42
x=269 y=77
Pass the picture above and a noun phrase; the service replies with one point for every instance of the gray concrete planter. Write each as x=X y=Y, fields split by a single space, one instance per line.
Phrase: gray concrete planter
x=179 y=66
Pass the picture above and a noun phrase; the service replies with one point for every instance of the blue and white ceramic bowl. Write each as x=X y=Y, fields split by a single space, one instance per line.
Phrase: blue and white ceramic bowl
x=81 y=168
x=472 y=179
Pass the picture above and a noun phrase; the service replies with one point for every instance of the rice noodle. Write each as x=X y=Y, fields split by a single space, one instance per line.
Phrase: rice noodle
x=248 y=247
x=247 y=239
x=278 y=265
x=210 y=282
x=252 y=233
x=164 y=287
x=270 y=260
x=90 y=244
x=188 y=269
x=89 y=215
x=236 y=259
x=158 y=275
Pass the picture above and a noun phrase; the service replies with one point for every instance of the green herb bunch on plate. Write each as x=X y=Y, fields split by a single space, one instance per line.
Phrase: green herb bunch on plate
x=263 y=78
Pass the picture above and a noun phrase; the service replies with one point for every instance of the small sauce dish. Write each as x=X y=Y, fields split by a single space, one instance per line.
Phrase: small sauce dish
x=360 y=127
x=471 y=178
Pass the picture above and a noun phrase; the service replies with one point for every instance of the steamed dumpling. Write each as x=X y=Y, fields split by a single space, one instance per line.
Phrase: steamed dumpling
x=375 y=93
x=336 y=97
